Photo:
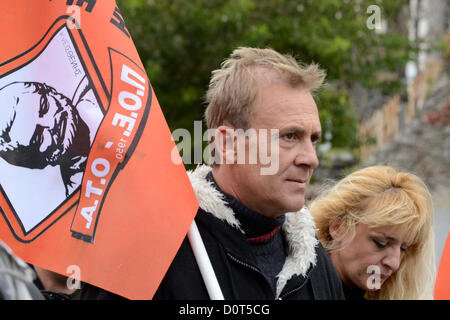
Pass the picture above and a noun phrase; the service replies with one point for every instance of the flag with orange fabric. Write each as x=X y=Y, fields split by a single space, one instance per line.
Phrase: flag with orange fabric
x=442 y=286
x=86 y=171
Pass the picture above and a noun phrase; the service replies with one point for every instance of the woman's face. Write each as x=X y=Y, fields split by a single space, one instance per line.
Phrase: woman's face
x=371 y=257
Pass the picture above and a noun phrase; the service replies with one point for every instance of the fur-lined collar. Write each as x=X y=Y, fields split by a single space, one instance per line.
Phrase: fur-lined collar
x=299 y=228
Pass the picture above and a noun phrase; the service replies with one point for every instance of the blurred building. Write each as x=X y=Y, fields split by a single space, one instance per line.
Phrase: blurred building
x=427 y=23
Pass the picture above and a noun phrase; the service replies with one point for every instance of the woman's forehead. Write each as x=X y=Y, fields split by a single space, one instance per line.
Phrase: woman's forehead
x=391 y=232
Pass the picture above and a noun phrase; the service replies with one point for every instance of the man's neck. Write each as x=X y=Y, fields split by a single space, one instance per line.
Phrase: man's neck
x=224 y=179
x=257 y=227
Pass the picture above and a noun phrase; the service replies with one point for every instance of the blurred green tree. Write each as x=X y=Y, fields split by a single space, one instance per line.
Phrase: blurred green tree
x=180 y=42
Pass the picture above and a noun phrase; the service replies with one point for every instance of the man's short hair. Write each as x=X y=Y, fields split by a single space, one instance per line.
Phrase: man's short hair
x=233 y=87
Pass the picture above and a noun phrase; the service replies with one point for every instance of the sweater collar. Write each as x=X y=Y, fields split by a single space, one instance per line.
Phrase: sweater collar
x=255 y=226
x=298 y=228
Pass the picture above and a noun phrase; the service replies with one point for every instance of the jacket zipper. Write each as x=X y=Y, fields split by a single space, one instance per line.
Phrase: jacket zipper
x=249 y=266
x=242 y=263
x=281 y=297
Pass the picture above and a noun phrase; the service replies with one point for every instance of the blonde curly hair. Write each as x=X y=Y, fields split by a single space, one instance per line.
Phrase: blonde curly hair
x=381 y=196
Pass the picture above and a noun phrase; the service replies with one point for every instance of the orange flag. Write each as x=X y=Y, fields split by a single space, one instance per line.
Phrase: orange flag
x=87 y=181
x=442 y=286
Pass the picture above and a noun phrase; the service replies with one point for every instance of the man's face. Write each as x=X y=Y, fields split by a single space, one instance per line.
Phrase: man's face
x=294 y=113
x=35 y=122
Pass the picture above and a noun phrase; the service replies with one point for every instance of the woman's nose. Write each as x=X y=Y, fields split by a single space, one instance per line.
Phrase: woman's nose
x=393 y=259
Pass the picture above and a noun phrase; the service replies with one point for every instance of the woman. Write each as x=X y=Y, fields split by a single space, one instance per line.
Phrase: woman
x=377 y=226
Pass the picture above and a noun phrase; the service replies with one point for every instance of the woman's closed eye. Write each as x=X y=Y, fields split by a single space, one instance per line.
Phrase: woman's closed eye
x=380 y=244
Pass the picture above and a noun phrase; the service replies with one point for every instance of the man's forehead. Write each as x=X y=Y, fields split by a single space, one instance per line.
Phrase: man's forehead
x=280 y=105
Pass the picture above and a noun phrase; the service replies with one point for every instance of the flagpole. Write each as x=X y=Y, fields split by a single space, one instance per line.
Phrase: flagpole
x=206 y=269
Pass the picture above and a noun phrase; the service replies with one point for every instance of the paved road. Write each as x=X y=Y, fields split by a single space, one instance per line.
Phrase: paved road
x=441 y=229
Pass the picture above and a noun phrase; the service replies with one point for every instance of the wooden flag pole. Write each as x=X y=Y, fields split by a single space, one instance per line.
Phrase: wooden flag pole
x=206 y=269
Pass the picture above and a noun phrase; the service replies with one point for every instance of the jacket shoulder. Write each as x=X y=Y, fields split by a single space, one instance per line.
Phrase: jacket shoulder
x=325 y=280
x=182 y=280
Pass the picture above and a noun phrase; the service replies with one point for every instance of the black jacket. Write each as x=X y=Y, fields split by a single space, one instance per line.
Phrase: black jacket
x=308 y=272
x=236 y=271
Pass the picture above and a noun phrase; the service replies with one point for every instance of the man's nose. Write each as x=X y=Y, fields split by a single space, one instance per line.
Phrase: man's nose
x=392 y=259
x=306 y=155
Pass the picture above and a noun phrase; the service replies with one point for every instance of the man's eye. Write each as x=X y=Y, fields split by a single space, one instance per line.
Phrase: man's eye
x=315 y=139
x=289 y=136
x=380 y=244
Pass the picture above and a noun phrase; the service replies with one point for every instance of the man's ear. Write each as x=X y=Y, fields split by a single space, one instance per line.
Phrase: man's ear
x=225 y=144
x=335 y=228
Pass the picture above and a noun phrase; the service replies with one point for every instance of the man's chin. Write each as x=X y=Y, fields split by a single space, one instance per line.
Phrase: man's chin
x=295 y=206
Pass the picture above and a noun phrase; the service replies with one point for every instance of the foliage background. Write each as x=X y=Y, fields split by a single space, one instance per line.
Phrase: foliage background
x=180 y=42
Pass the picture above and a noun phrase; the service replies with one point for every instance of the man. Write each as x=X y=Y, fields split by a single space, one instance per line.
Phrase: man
x=41 y=127
x=260 y=241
